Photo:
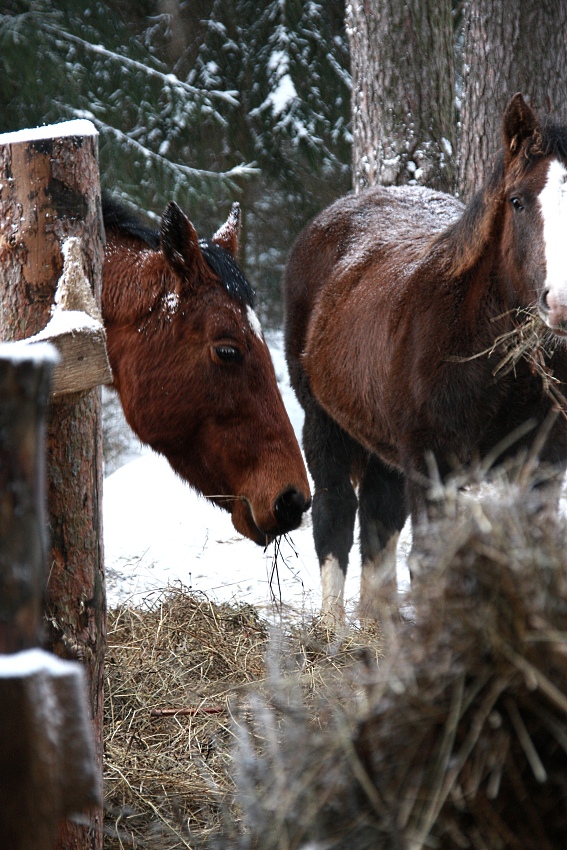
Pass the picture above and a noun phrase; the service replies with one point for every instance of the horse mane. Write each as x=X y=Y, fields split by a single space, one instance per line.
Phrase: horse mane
x=220 y=261
x=115 y=214
x=229 y=272
x=462 y=244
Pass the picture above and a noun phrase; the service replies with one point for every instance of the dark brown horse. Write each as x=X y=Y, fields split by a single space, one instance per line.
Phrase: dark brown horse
x=394 y=300
x=194 y=372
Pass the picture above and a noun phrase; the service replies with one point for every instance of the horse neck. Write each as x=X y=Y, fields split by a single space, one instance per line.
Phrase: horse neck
x=474 y=238
x=470 y=253
x=133 y=279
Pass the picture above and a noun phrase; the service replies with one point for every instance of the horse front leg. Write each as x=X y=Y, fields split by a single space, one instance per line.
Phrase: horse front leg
x=329 y=453
x=334 y=514
x=382 y=513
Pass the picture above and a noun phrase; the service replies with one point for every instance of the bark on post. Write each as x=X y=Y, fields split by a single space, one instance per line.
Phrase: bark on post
x=403 y=92
x=49 y=191
x=508 y=47
x=24 y=389
x=47 y=764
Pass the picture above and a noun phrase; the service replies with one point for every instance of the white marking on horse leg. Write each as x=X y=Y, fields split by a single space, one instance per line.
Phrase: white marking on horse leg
x=553 y=203
x=333 y=590
x=378 y=583
x=254 y=322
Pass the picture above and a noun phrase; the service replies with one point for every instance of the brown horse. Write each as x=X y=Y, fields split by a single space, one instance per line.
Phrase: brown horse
x=194 y=372
x=394 y=301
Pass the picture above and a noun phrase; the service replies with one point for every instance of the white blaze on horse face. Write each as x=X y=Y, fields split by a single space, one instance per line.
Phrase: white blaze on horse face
x=254 y=322
x=553 y=203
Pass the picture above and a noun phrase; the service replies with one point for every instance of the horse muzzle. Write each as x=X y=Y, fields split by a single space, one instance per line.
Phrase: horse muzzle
x=285 y=515
x=553 y=312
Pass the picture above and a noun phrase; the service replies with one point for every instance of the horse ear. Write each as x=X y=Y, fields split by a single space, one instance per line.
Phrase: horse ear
x=228 y=235
x=179 y=240
x=520 y=123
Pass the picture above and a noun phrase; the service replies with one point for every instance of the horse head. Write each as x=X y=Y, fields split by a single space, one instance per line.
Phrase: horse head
x=535 y=194
x=194 y=372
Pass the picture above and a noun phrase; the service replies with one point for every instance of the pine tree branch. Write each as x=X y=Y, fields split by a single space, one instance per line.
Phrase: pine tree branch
x=171 y=80
x=147 y=153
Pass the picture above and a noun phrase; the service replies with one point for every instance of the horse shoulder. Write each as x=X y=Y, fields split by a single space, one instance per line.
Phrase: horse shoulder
x=370 y=328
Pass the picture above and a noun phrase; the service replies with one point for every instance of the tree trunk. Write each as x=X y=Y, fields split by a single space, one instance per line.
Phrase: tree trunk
x=50 y=191
x=403 y=92
x=508 y=47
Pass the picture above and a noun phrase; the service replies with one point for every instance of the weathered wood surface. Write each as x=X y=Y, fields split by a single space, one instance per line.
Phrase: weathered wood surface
x=24 y=388
x=76 y=330
x=48 y=768
x=49 y=191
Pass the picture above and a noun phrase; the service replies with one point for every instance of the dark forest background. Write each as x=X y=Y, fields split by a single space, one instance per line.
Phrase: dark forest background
x=283 y=104
x=203 y=102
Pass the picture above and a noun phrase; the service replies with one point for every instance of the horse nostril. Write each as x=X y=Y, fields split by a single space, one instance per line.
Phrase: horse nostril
x=289 y=508
x=544 y=306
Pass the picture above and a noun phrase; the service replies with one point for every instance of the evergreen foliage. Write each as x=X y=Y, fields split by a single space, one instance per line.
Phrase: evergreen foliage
x=201 y=102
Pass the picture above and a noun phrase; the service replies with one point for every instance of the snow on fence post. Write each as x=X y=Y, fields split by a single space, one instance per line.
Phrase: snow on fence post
x=49 y=191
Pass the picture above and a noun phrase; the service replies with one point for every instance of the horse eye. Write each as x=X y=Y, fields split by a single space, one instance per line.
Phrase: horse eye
x=228 y=353
x=516 y=203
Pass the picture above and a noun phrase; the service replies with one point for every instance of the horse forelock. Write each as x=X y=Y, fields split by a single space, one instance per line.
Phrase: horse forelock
x=228 y=271
x=549 y=139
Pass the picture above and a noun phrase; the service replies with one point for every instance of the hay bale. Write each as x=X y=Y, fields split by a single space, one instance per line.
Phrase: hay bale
x=177 y=667
x=171 y=668
x=465 y=743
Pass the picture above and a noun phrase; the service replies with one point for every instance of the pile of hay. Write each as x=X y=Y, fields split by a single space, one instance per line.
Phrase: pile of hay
x=170 y=669
x=455 y=737
x=465 y=742
x=178 y=670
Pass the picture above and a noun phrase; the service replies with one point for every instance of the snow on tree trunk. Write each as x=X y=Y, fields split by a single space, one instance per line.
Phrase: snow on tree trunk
x=403 y=92
x=508 y=47
x=49 y=191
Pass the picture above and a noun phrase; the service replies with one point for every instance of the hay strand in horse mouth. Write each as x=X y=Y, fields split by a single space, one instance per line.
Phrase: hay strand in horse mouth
x=530 y=340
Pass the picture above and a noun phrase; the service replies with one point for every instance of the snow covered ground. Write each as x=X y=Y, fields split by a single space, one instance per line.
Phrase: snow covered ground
x=159 y=532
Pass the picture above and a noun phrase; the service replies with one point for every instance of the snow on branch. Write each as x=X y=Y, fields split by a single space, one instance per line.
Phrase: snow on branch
x=148 y=154
x=171 y=80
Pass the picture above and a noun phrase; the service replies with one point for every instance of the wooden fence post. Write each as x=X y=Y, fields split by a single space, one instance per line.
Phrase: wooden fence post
x=24 y=387
x=47 y=763
x=49 y=191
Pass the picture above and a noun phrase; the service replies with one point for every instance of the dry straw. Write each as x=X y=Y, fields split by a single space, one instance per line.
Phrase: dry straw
x=179 y=669
x=454 y=737
x=465 y=743
x=530 y=340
